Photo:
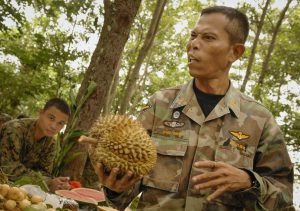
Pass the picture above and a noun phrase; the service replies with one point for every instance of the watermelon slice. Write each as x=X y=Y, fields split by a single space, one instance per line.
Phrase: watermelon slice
x=91 y=193
x=76 y=196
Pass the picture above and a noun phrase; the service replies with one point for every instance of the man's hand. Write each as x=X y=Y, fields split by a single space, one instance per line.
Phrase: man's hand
x=223 y=178
x=112 y=182
x=59 y=183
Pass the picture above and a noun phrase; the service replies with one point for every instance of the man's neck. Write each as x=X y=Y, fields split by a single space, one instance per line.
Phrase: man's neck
x=216 y=87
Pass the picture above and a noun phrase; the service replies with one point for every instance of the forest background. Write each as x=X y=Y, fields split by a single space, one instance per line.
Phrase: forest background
x=110 y=56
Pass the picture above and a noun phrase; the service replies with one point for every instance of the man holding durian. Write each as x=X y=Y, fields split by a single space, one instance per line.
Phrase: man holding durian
x=217 y=149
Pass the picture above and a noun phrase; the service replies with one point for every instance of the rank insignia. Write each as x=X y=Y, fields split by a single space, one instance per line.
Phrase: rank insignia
x=236 y=144
x=173 y=124
x=239 y=135
x=172 y=132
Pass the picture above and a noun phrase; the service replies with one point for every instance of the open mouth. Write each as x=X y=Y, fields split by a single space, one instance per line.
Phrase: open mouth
x=192 y=59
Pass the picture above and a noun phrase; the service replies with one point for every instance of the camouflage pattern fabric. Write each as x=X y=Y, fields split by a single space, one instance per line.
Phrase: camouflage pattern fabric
x=4 y=118
x=239 y=131
x=19 y=154
x=3 y=177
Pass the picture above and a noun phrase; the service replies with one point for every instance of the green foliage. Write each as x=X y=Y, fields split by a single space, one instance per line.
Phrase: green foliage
x=280 y=90
x=42 y=52
x=34 y=178
x=67 y=140
x=7 y=10
x=135 y=202
x=165 y=66
x=16 y=11
x=292 y=130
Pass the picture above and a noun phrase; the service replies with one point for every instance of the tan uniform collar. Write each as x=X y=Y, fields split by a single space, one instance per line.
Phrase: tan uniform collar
x=229 y=104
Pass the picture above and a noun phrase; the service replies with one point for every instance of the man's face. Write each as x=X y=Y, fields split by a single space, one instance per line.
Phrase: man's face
x=51 y=121
x=209 y=50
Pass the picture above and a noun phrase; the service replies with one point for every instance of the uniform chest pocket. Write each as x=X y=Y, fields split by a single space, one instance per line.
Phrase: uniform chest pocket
x=234 y=156
x=168 y=169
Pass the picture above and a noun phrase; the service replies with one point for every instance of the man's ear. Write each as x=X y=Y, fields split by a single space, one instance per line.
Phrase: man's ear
x=238 y=50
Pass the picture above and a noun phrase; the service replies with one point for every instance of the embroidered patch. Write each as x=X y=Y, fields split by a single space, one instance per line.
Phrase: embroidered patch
x=173 y=124
x=172 y=132
x=239 y=135
x=239 y=146
x=236 y=144
x=146 y=107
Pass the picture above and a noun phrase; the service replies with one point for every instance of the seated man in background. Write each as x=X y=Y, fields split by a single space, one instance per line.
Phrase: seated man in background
x=27 y=145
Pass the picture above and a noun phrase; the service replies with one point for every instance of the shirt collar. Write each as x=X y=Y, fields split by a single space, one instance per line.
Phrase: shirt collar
x=231 y=100
x=184 y=96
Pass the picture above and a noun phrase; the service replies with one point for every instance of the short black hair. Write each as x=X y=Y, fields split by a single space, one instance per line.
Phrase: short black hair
x=22 y=116
x=239 y=24
x=58 y=103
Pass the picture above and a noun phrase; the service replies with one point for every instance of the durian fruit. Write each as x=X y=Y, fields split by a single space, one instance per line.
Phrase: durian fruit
x=122 y=143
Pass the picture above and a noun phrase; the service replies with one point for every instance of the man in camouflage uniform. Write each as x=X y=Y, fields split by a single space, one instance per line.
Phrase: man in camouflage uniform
x=27 y=145
x=217 y=148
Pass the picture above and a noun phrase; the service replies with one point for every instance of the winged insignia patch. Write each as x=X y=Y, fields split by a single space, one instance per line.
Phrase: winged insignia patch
x=239 y=135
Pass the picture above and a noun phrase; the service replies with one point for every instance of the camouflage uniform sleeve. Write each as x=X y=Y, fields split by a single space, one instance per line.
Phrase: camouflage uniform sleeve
x=47 y=157
x=273 y=171
x=10 y=145
x=122 y=200
x=47 y=162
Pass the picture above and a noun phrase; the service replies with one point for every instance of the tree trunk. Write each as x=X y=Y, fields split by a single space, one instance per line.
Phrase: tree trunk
x=138 y=42
x=265 y=64
x=141 y=83
x=255 y=42
x=112 y=91
x=118 y=18
x=129 y=91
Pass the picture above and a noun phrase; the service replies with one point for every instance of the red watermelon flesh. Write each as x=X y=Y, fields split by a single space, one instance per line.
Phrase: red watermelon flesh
x=91 y=193
x=75 y=196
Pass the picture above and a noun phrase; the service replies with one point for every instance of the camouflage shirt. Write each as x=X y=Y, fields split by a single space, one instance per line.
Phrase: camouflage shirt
x=238 y=131
x=20 y=154
x=4 y=118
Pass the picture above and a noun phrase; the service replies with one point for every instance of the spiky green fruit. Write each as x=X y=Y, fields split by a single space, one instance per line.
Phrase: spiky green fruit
x=122 y=143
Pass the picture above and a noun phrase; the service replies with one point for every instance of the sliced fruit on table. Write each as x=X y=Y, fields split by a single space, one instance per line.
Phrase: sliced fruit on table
x=76 y=196
x=92 y=193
